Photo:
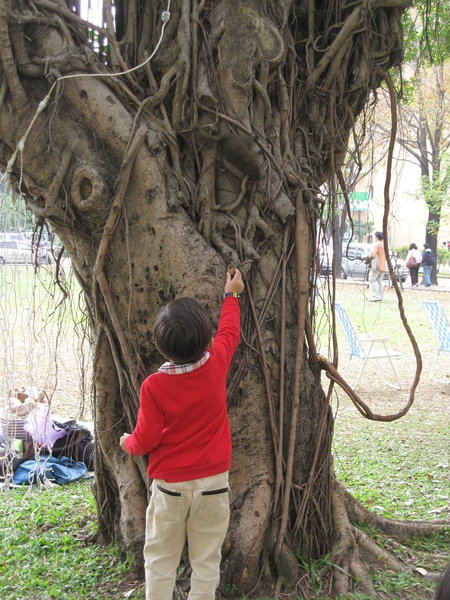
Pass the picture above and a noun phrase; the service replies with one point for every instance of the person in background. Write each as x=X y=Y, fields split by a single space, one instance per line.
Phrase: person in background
x=377 y=269
x=414 y=254
x=427 y=264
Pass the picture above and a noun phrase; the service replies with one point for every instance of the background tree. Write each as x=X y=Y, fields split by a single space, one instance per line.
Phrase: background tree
x=424 y=124
x=137 y=177
x=368 y=147
x=425 y=135
x=424 y=117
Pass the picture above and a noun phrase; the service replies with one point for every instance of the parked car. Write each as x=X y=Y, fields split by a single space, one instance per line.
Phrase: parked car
x=326 y=261
x=19 y=253
x=354 y=263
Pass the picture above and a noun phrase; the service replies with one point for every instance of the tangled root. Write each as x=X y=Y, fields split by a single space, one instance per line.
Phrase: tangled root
x=396 y=528
x=355 y=554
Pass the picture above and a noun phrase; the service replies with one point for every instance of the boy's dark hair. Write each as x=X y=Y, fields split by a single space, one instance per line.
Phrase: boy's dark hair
x=443 y=588
x=426 y=246
x=379 y=235
x=182 y=330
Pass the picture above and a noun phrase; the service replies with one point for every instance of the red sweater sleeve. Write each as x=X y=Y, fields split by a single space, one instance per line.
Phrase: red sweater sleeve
x=150 y=422
x=228 y=334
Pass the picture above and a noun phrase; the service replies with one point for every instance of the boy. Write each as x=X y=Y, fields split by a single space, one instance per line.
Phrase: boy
x=183 y=425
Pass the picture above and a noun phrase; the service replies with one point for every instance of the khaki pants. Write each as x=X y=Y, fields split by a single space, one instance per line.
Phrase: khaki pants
x=196 y=510
x=376 y=284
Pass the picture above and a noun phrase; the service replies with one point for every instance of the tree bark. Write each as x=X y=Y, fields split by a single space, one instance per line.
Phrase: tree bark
x=149 y=210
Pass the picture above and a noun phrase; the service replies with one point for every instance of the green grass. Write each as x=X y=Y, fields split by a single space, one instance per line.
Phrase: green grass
x=24 y=291
x=46 y=547
x=383 y=318
x=399 y=470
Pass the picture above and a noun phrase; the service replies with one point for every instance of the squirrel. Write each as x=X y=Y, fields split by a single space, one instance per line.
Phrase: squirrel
x=237 y=150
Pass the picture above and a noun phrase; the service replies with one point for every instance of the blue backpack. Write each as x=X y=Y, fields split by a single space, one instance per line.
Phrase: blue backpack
x=62 y=470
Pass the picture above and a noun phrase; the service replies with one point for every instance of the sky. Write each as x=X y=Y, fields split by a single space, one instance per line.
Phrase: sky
x=91 y=11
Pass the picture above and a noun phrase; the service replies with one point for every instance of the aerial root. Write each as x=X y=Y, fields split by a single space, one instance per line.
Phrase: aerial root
x=395 y=528
x=356 y=555
x=380 y=555
x=345 y=554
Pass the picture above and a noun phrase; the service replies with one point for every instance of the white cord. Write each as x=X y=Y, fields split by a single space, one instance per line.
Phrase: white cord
x=165 y=16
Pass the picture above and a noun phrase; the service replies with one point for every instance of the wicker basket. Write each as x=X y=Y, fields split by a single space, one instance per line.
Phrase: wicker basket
x=13 y=427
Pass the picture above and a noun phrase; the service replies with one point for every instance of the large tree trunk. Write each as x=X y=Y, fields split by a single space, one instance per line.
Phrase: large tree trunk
x=150 y=208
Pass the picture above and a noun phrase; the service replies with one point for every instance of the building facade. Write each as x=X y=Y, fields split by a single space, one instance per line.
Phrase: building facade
x=408 y=215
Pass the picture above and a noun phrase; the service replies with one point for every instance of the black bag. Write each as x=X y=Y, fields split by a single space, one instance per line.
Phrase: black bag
x=77 y=444
x=432 y=260
x=10 y=457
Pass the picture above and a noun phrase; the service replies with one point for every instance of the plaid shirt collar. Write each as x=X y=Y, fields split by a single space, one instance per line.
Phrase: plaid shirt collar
x=173 y=369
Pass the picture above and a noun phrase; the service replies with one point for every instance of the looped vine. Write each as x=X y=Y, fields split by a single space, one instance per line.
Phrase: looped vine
x=262 y=72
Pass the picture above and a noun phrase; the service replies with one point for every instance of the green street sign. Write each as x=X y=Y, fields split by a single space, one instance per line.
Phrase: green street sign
x=359 y=195
x=359 y=201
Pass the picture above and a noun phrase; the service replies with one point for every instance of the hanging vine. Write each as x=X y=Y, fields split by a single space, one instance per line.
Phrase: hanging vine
x=247 y=109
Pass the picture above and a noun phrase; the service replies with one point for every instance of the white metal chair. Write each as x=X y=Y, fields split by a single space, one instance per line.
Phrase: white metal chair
x=441 y=329
x=355 y=342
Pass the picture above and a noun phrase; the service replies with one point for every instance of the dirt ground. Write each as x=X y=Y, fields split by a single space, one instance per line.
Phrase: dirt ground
x=59 y=372
x=429 y=394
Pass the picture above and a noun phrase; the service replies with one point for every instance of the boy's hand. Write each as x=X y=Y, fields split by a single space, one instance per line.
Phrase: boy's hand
x=123 y=439
x=234 y=282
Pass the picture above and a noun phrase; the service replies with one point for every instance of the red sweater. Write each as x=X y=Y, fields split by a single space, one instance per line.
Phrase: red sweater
x=182 y=420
